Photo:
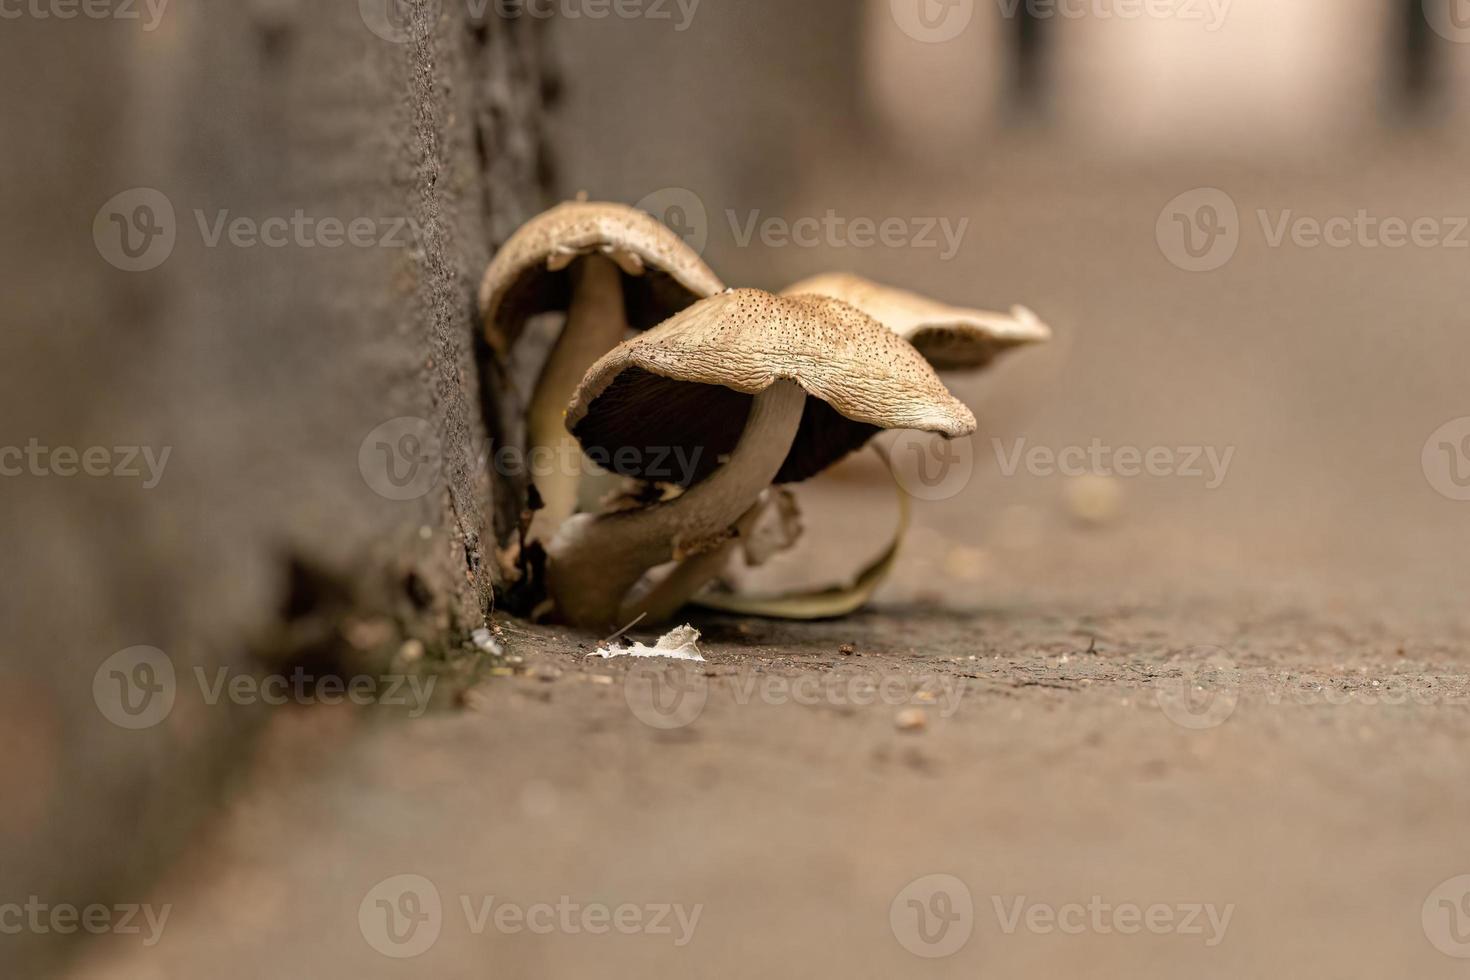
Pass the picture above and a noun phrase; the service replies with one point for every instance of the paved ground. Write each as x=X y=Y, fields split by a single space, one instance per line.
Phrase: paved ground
x=1314 y=795
x=1221 y=736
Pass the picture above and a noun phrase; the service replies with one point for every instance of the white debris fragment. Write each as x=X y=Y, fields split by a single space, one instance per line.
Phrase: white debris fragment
x=486 y=642
x=678 y=644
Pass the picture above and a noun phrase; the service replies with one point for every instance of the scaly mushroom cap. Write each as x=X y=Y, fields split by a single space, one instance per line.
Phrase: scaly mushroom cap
x=952 y=338
x=528 y=276
x=681 y=391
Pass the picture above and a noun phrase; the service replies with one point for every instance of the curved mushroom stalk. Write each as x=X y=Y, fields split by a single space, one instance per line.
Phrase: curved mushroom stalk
x=660 y=600
x=594 y=562
x=595 y=325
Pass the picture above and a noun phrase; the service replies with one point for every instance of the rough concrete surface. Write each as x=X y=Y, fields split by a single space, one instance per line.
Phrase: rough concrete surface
x=260 y=369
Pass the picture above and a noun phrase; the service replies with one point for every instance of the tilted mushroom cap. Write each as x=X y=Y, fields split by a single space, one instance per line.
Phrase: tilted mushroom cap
x=952 y=338
x=529 y=275
x=686 y=386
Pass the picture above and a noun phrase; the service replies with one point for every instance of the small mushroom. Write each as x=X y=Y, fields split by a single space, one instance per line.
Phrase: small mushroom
x=724 y=386
x=950 y=337
x=608 y=267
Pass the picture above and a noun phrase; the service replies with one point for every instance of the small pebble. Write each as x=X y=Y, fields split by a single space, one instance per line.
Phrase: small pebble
x=965 y=563
x=1095 y=500
x=368 y=634
x=475 y=700
x=411 y=651
x=911 y=720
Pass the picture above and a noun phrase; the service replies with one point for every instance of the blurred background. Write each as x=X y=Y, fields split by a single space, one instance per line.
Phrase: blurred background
x=1062 y=143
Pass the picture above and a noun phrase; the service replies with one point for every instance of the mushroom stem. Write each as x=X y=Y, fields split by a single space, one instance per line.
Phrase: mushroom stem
x=595 y=325
x=596 y=560
x=667 y=596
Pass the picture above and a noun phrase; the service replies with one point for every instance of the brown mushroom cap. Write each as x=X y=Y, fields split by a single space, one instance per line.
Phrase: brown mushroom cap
x=950 y=337
x=686 y=386
x=529 y=275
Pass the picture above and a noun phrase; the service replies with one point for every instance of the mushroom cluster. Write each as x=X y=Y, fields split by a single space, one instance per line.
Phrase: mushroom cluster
x=749 y=390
